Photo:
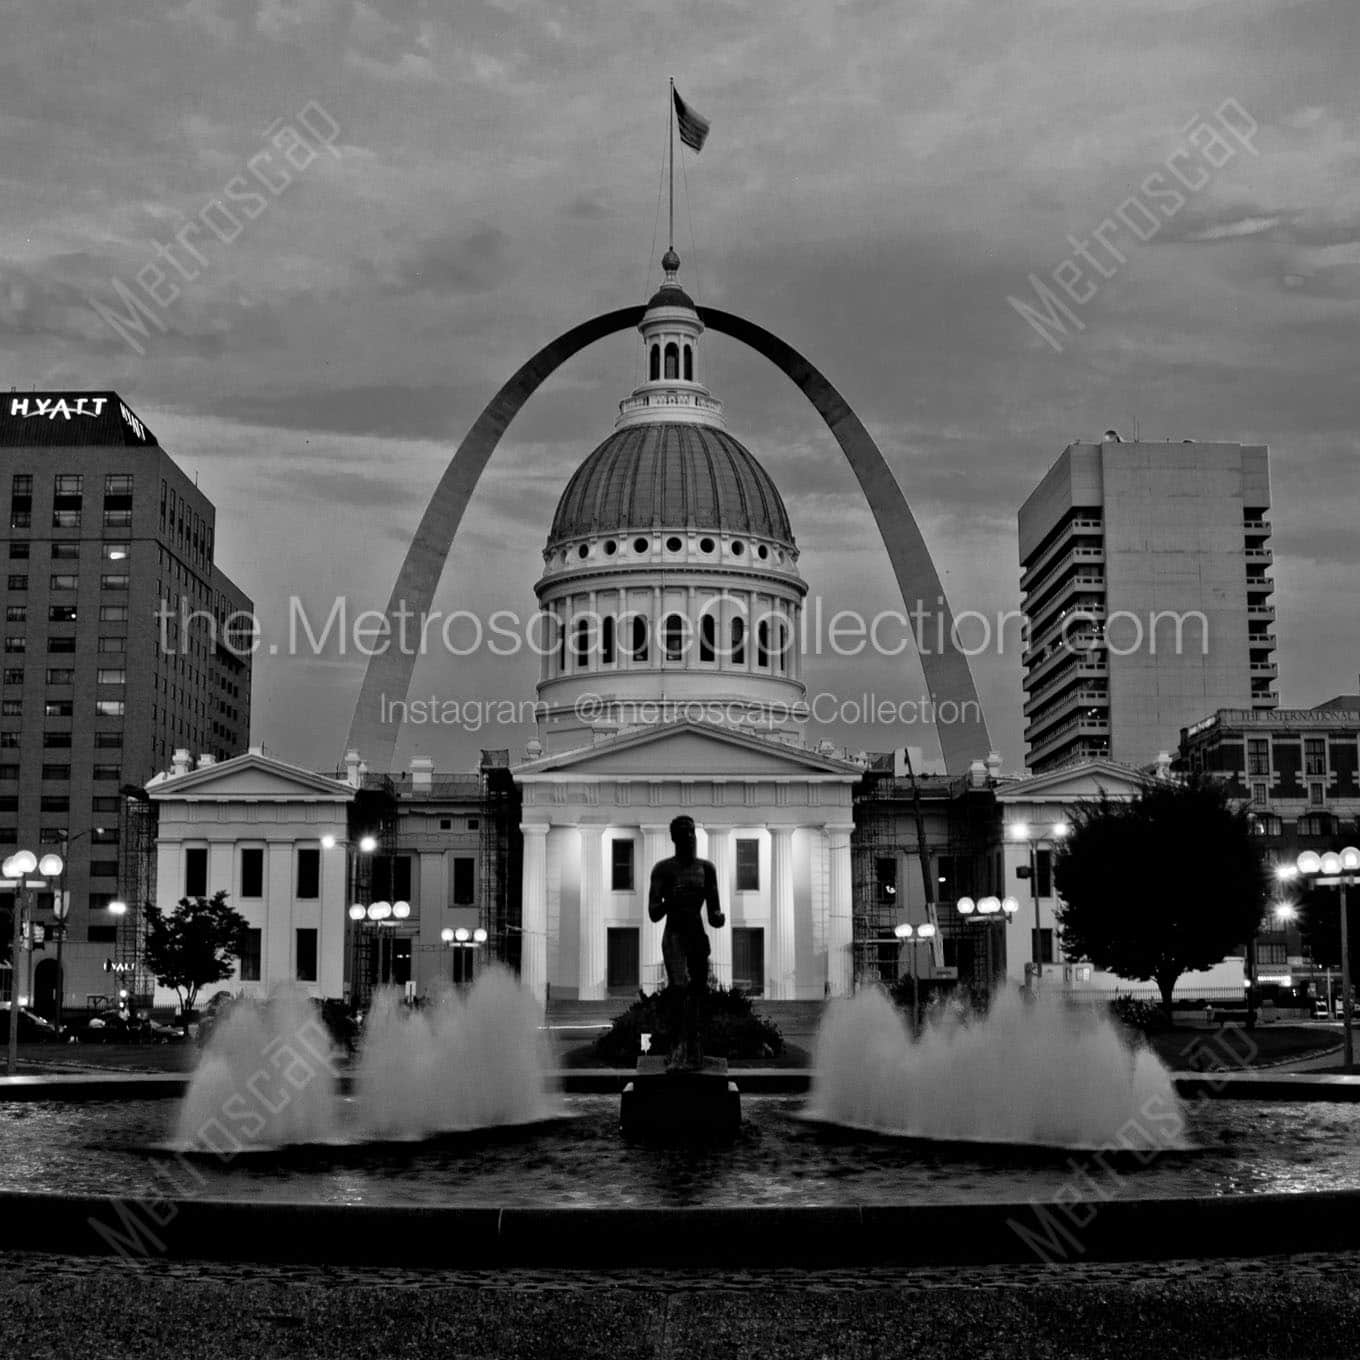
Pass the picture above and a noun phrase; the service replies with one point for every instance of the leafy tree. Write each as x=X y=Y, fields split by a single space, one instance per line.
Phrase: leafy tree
x=197 y=943
x=1164 y=884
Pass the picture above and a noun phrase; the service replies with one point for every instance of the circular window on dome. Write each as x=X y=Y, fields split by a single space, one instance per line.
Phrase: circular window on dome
x=583 y=550
x=762 y=552
x=674 y=544
x=706 y=545
x=639 y=545
x=610 y=547
x=738 y=547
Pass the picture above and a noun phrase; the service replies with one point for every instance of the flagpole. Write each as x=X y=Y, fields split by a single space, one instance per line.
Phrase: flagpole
x=671 y=122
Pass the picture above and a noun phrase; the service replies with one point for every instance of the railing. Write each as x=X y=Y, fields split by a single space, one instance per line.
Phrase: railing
x=1047 y=566
x=1081 y=696
x=1084 y=667
x=1052 y=739
x=1052 y=598
x=1075 y=647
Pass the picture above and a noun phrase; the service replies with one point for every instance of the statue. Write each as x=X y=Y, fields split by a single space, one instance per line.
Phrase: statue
x=682 y=887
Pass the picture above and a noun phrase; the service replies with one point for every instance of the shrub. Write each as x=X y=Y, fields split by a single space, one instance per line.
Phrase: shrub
x=731 y=1028
x=1145 y=1017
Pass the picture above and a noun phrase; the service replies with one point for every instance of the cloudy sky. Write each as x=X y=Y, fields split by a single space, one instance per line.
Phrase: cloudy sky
x=879 y=179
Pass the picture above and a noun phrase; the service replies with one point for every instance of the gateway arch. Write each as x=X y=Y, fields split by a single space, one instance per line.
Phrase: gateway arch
x=948 y=676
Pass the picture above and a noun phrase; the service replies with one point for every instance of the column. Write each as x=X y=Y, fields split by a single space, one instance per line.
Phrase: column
x=533 y=959
x=656 y=845
x=781 y=963
x=840 y=969
x=721 y=852
x=591 y=973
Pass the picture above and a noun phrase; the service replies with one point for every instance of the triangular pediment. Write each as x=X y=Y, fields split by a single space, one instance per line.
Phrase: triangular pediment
x=690 y=749
x=253 y=777
x=1086 y=780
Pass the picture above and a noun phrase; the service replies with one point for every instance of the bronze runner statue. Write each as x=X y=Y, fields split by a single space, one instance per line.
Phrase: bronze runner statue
x=681 y=888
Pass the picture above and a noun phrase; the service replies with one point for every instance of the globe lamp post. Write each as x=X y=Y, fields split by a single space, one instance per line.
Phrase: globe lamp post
x=1338 y=869
x=913 y=935
x=16 y=870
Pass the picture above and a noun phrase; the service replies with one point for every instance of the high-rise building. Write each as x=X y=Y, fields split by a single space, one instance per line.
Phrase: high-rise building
x=1146 y=589
x=119 y=647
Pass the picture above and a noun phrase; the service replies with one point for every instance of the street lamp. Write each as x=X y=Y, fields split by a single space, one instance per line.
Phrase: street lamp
x=378 y=915
x=1021 y=831
x=987 y=910
x=909 y=934
x=458 y=940
x=16 y=870
x=1338 y=869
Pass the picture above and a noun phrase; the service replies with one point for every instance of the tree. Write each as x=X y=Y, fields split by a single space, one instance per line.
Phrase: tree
x=197 y=943
x=1164 y=884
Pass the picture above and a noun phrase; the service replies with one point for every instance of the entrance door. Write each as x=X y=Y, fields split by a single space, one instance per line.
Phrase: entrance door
x=748 y=959
x=46 y=984
x=621 y=962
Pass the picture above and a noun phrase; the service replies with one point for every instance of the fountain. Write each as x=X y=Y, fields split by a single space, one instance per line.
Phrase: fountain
x=1028 y=1072
x=269 y=1077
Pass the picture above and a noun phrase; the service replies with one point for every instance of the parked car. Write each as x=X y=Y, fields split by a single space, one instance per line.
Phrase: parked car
x=33 y=1028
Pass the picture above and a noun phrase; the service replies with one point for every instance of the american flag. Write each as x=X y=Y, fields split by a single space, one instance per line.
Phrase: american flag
x=693 y=125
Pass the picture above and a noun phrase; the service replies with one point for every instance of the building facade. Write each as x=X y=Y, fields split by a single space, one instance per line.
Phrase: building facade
x=1147 y=594
x=117 y=650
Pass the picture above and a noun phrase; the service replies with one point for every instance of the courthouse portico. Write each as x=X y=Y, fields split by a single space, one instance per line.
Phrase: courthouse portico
x=775 y=819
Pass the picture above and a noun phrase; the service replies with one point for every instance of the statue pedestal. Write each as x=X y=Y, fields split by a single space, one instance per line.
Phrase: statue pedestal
x=684 y=1104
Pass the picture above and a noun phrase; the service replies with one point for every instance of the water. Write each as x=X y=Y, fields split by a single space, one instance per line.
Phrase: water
x=779 y=1159
x=1025 y=1073
x=269 y=1076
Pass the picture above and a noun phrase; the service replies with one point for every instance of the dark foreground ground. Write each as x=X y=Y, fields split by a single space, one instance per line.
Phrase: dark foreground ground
x=1300 y=1306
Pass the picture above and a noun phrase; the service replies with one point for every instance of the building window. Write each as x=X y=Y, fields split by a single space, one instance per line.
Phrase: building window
x=111 y=676
x=308 y=872
x=15 y=642
x=61 y=644
x=113 y=644
x=392 y=878
x=607 y=641
x=65 y=552
x=1258 y=756
x=885 y=879
x=113 y=580
x=59 y=675
x=689 y=363
x=113 y=613
x=21 y=501
x=1043 y=873
x=748 y=959
x=196 y=871
x=763 y=644
x=1314 y=756
x=116 y=552
x=103 y=805
x=738 y=642
x=671 y=356
x=104 y=835
x=639 y=647
x=61 y=613
x=107 y=772
x=748 y=864
x=1315 y=795
x=16 y=613
x=11 y=708
x=55 y=741
x=582 y=642
x=101 y=934
x=58 y=708
x=654 y=364
x=252 y=871
x=306 y=954
x=109 y=708
x=708 y=637
x=250 y=955
x=9 y=741
x=8 y=773
x=1315 y=824
x=18 y=551
x=50 y=771
x=108 y=741
x=464 y=881
x=104 y=868
x=675 y=637
x=18 y=582
x=14 y=675
x=620 y=865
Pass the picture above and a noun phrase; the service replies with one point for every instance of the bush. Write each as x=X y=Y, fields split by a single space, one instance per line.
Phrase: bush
x=731 y=1028
x=1145 y=1017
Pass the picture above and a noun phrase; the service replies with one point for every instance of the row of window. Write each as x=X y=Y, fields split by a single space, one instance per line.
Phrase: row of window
x=1314 y=755
x=67 y=551
x=249 y=964
x=389 y=876
x=68 y=500
x=623 y=865
x=69 y=580
x=61 y=675
x=61 y=741
x=64 y=708
x=17 y=643
x=678 y=638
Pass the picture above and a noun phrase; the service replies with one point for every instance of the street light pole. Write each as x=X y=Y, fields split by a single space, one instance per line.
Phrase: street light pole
x=17 y=868
x=1335 y=869
x=1020 y=831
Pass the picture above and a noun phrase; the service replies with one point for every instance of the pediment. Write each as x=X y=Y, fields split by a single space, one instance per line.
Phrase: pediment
x=1088 y=780
x=690 y=749
x=250 y=778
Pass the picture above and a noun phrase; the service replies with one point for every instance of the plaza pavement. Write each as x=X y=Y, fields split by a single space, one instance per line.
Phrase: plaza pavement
x=1272 y=1306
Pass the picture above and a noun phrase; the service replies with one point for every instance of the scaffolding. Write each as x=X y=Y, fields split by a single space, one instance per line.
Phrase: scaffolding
x=137 y=869
x=499 y=859
x=904 y=821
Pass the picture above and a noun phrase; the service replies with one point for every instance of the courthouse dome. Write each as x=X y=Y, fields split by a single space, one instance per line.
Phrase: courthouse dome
x=673 y=476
